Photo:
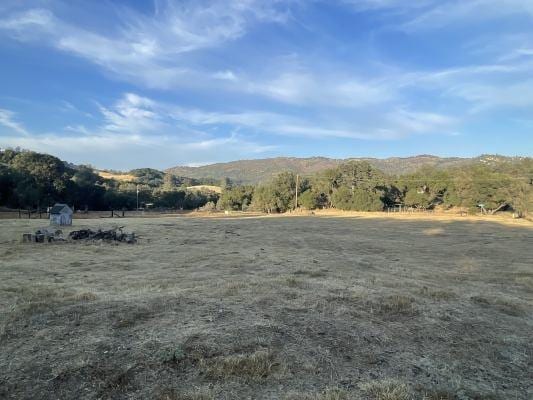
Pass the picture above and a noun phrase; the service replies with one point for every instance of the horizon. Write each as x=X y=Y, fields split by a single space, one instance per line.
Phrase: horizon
x=160 y=84
x=103 y=168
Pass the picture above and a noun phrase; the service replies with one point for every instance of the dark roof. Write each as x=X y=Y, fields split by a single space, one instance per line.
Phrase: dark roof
x=59 y=208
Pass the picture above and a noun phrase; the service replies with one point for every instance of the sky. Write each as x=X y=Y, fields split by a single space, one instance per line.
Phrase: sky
x=140 y=83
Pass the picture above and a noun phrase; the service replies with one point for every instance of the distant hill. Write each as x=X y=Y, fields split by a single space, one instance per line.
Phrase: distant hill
x=205 y=188
x=254 y=171
x=125 y=177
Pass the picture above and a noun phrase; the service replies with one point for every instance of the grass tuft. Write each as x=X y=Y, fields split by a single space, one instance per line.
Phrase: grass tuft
x=293 y=282
x=171 y=355
x=196 y=394
x=85 y=296
x=388 y=389
x=327 y=394
x=503 y=305
x=255 y=367
x=311 y=273
x=437 y=294
x=396 y=305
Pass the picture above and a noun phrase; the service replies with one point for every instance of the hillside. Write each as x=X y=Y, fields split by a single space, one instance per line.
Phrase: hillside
x=205 y=188
x=254 y=171
x=116 y=176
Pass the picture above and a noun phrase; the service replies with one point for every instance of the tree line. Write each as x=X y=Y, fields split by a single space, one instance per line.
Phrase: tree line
x=34 y=180
x=31 y=180
x=357 y=186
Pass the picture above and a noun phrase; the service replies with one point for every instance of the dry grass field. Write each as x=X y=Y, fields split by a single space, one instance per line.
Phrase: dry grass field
x=117 y=177
x=206 y=188
x=295 y=308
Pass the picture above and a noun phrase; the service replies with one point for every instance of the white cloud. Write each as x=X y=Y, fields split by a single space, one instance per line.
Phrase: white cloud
x=7 y=119
x=397 y=5
x=120 y=151
x=127 y=151
x=297 y=95
x=21 y=24
x=485 y=96
x=307 y=88
x=225 y=75
x=411 y=122
x=154 y=50
x=461 y=11
x=136 y=114
x=400 y=122
x=137 y=130
x=145 y=48
x=132 y=113
x=482 y=86
x=435 y=14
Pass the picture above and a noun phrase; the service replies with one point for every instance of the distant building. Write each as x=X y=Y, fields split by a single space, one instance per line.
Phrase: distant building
x=61 y=214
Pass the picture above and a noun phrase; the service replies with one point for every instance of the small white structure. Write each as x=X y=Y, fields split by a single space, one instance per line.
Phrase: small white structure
x=61 y=214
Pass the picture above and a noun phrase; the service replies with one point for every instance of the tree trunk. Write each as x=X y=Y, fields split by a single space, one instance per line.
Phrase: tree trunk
x=498 y=209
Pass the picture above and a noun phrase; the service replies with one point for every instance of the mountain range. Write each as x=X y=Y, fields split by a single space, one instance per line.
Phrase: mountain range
x=260 y=170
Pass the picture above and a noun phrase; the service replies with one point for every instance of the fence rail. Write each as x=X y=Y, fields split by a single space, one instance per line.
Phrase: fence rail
x=24 y=214
x=43 y=214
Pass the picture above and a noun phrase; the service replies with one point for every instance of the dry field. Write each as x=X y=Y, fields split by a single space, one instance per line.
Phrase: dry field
x=206 y=188
x=298 y=308
x=117 y=177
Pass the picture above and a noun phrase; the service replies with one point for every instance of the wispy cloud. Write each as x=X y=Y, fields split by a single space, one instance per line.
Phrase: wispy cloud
x=460 y=11
x=132 y=113
x=147 y=48
x=137 y=122
x=307 y=88
x=7 y=119
x=153 y=50
x=482 y=87
x=251 y=73
x=111 y=148
x=436 y=14
x=397 y=5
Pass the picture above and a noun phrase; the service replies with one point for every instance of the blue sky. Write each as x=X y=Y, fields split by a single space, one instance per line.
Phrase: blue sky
x=125 y=84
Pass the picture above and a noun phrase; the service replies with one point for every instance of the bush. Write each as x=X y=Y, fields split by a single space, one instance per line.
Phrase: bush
x=209 y=206
x=358 y=200
x=308 y=200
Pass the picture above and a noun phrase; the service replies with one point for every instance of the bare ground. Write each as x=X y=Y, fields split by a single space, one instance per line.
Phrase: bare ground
x=270 y=308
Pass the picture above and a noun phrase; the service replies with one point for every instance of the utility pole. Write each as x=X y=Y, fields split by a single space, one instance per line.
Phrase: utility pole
x=296 y=198
x=137 y=197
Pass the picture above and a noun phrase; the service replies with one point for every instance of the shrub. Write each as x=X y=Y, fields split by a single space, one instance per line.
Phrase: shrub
x=209 y=206
x=357 y=200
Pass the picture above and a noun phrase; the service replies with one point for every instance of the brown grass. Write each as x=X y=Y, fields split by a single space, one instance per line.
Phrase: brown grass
x=388 y=389
x=395 y=305
x=327 y=394
x=205 y=188
x=437 y=294
x=117 y=177
x=501 y=304
x=255 y=366
x=308 y=307
x=195 y=394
